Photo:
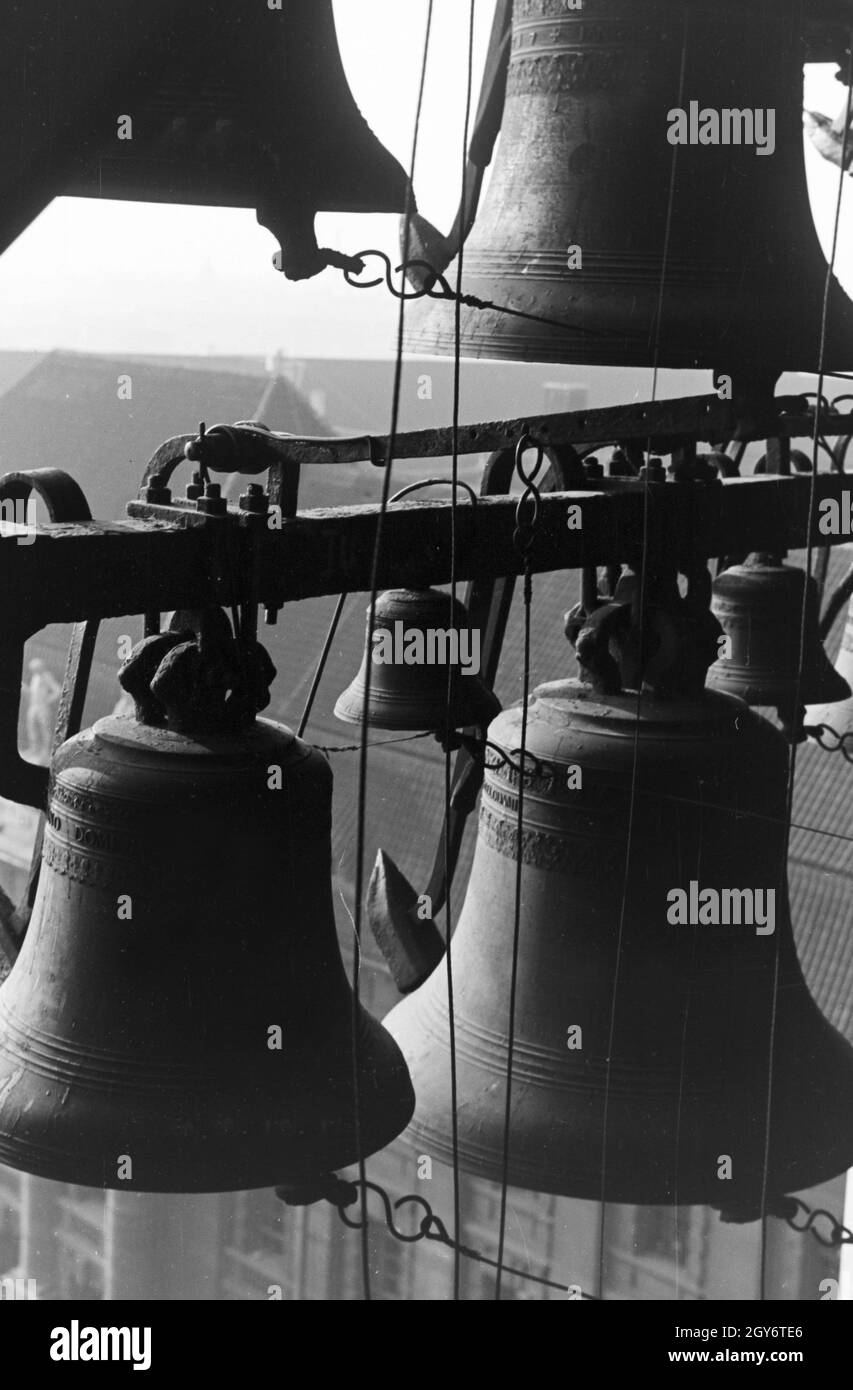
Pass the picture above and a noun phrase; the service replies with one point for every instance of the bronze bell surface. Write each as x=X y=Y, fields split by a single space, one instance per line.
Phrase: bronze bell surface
x=227 y=105
x=760 y=607
x=611 y=245
x=837 y=712
x=424 y=649
x=641 y=1061
x=183 y=916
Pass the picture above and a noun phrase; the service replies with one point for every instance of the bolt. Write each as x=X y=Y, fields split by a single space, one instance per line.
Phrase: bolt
x=157 y=492
x=254 y=499
x=620 y=466
x=212 y=503
x=195 y=488
x=194 y=450
x=705 y=470
x=653 y=471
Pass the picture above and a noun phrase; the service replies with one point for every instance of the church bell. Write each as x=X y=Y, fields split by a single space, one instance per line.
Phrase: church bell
x=666 y=1047
x=228 y=105
x=760 y=605
x=650 y=167
x=179 y=1019
x=426 y=663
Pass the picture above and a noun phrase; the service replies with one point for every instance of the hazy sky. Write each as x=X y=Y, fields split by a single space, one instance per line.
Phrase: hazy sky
x=109 y=276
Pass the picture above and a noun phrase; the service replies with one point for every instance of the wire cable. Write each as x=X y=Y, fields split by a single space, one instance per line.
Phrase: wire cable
x=448 y=753
x=641 y=608
x=371 y=622
x=523 y=539
x=321 y=664
x=431 y=1227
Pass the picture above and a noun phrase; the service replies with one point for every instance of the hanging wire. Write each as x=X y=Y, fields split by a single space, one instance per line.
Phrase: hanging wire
x=505 y=759
x=445 y=291
x=371 y=622
x=640 y=609
x=448 y=911
x=524 y=537
x=835 y=603
x=539 y=767
x=375 y=743
x=792 y=761
x=321 y=664
x=431 y=1227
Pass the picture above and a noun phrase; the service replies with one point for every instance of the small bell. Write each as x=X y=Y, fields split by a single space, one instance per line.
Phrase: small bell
x=426 y=662
x=759 y=605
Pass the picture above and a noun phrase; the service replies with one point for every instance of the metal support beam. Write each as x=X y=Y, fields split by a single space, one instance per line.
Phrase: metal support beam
x=92 y=569
x=659 y=425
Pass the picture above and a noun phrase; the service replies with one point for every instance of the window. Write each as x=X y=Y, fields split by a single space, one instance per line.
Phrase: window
x=662 y=1233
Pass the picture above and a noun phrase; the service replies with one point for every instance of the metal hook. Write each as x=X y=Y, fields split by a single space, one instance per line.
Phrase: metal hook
x=505 y=759
x=367 y=284
x=431 y=1226
x=359 y=1225
x=443 y=290
x=428 y=1221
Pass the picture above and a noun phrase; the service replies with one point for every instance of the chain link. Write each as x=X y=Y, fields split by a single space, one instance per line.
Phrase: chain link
x=830 y=740
x=527 y=508
x=431 y=1227
x=838 y=1234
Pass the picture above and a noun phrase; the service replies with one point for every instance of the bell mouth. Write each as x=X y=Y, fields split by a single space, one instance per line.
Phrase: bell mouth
x=470 y=703
x=657 y=1137
x=69 y=1117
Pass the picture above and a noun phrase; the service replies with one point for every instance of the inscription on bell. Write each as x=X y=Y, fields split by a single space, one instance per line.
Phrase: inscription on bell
x=93 y=837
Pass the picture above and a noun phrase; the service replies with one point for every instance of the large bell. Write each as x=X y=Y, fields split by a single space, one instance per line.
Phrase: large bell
x=183 y=916
x=759 y=605
x=230 y=105
x=426 y=663
x=645 y=1048
x=612 y=245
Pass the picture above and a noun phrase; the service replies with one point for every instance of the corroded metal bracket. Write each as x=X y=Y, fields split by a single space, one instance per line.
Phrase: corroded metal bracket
x=659 y=426
x=22 y=781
